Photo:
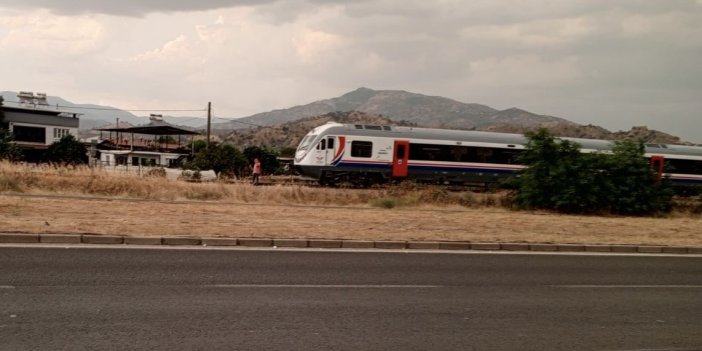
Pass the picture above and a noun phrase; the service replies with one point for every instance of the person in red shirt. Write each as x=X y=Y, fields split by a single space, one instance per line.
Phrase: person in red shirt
x=256 y=171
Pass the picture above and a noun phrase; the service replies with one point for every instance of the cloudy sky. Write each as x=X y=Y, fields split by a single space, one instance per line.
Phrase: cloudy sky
x=614 y=63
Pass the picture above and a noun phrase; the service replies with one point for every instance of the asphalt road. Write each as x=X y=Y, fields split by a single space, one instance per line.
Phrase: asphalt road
x=160 y=299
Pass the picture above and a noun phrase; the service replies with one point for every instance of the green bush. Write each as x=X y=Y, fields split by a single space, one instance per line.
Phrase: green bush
x=559 y=177
x=222 y=158
x=385 y=202
x=8 y=149
x=632 y=187
x=68 y=150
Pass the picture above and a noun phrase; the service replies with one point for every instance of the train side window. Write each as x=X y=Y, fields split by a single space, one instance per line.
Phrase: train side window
x=458 y=153
x=684 y=166
x=361 y=148
x=322 y=145
x=330 y=143
x=484 y=155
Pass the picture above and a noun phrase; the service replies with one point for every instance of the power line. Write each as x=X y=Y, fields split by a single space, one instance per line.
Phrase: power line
x=187 y=119
x=116 y=109
x=230 y=119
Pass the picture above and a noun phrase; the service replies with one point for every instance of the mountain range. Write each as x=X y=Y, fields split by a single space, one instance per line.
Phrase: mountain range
x=398 y=105
x=288 y=135
x=285 y=127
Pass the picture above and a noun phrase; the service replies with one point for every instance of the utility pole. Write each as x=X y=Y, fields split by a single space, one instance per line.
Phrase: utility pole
x=117 y=132
x=209 y=119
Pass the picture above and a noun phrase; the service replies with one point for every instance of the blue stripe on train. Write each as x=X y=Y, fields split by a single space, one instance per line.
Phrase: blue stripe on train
x=364 y=165
x=434 y=168
x=426 y=168
x=686 y=180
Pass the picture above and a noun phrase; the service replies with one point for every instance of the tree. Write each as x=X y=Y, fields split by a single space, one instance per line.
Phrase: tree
x=199 y=145
x=557 y=176
x=222 y=158
x=287 y=152
x=3 y=125
x=633 y=188
x=560 y=177
x=8 y=149
x=68 y=150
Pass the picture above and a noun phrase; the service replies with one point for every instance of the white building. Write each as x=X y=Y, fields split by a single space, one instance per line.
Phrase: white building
x=139 y=158
x=36 y=125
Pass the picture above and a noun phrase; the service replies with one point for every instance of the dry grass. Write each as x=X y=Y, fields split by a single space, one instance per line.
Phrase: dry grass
x=132 y=205
x=48 y=179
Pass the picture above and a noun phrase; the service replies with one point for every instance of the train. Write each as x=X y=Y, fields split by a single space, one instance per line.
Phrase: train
x=364 y=155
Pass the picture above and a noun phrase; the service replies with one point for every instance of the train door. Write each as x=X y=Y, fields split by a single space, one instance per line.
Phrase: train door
x=325 y=150
x=657 y=165
x=399 y=158
x=330 y=147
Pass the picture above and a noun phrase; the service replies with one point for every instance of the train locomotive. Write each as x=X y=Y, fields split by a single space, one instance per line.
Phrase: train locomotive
x=364 y=155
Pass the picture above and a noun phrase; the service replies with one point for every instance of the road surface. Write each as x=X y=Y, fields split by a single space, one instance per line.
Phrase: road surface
x=77 y=298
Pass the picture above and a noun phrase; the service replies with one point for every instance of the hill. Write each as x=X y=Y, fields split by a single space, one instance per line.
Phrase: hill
x=592 y=132
x=284 y=128
x=289 y=134
x=428 y=111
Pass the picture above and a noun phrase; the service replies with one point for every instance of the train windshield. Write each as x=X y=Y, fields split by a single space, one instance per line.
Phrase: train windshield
x=306 y=141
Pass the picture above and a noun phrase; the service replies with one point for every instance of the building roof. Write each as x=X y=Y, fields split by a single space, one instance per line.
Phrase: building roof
x=155 y=127
x=40 y=111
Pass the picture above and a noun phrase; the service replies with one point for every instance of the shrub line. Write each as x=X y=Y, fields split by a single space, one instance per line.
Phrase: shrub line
x=28 y=238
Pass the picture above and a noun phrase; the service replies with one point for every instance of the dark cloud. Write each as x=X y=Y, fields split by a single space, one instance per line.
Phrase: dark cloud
x=613 y=63
x=128 y=7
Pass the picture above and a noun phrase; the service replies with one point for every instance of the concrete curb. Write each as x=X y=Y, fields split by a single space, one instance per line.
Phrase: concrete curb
x=219 y=242
x=102 y=239
x=180 y=241
x=27 y=238
x=391 y=245
x=251 y=242
x=19 y=238
x=423 y=245
x=60 y=238
x=325 y=244
x=290 y=243
x=357 y=244
x=485 y=246
x=454 y=246
x=139 y=240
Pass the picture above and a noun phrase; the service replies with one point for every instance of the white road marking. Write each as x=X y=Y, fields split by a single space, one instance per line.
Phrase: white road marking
x=6 y=287
x=323 y=286
x=628 y=286
x=667 y=349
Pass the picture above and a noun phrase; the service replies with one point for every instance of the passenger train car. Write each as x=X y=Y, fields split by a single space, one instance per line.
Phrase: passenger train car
x=369 y=154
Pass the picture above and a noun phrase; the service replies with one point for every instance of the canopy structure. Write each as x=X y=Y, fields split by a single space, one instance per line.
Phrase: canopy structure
x=158 y=143
x=155 y=127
